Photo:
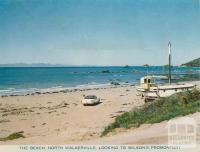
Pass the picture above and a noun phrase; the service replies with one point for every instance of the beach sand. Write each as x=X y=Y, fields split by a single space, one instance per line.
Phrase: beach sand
x=60 y=118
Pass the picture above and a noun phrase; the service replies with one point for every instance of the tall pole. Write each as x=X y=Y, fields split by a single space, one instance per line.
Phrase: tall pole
x=169 y=76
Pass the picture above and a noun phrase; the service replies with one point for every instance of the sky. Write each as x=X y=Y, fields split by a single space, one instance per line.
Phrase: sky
x=99 y=32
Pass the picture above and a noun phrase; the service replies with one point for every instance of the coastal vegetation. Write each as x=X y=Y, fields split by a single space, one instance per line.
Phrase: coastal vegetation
x=179 y=104
x=13 y=136
x=193 y=63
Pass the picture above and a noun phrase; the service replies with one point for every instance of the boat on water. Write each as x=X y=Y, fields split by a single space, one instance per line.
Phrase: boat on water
x=151 y=90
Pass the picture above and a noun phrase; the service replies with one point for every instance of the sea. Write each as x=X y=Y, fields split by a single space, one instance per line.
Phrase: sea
x=26 y=80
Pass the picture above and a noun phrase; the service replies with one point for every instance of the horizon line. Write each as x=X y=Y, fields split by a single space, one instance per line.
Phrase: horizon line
x=63 y=65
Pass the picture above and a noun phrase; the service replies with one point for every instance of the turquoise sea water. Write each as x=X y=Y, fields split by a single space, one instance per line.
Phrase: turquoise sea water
x=15 y=80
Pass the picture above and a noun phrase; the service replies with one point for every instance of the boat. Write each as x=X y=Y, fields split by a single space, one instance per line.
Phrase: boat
x=149 y=81
x=151 y=90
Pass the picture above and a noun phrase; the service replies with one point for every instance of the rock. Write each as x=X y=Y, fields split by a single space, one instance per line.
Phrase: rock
x=4 y=96
x=115 y=83
x=105 y=71
x=126 y=66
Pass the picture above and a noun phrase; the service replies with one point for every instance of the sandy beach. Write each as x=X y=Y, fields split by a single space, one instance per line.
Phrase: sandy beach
x=60 y=118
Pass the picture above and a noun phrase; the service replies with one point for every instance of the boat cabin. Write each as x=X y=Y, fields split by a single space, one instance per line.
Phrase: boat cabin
x=147 y=82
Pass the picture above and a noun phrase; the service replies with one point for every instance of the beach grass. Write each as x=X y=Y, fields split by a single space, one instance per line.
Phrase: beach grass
x=179 y=104
x=13 y=136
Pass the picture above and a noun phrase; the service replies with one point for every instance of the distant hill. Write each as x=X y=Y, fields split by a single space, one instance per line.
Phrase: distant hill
x=193 y=63
x=167 y=66
x=31 y=65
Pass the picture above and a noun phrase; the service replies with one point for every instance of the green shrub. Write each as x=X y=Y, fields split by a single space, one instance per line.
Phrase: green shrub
x=13 y=136
x=182 y=103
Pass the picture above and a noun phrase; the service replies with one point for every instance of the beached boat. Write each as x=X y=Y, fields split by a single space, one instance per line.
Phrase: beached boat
x=151 y=90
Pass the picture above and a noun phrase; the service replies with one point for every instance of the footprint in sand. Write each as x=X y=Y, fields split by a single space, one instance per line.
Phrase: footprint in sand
x=113 y=116
x=75 y=104
x=120 y=111
x=51 y=111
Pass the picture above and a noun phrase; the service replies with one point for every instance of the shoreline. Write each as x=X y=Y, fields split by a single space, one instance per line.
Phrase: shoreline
x=53 y=90
x=60 y=89
x=39 y=81
x=60 y=118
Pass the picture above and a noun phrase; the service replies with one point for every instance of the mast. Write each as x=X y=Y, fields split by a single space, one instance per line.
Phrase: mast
x=169 y=74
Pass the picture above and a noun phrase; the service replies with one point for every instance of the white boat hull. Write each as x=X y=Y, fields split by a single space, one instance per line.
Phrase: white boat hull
x=166 y=90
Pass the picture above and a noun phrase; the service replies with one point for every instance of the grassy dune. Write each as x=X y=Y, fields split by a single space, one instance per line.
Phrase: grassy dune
x=13 y=136
x=179 y=104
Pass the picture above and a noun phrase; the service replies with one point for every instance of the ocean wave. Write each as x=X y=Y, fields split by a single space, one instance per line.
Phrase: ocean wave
x=28 y=91
x=13 y=91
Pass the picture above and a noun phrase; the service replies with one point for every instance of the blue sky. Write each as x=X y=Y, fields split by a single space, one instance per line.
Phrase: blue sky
x=99 y=32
